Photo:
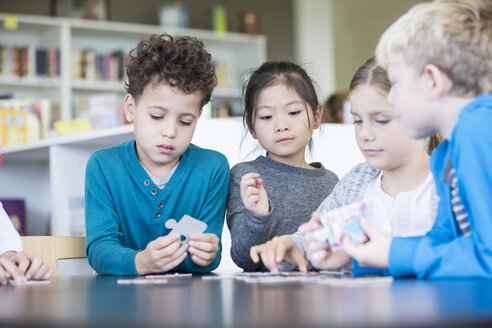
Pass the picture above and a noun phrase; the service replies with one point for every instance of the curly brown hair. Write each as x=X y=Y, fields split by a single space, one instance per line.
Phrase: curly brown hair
x=181 y=62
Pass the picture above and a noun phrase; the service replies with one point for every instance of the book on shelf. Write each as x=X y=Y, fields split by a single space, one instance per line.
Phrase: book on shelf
x=86 y=64
x=54 y=62
x=16 y=210
x=20 y=61
x=3 y=60
x=24 y=120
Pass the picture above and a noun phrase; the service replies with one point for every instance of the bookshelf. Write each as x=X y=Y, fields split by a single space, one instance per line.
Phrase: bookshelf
x=233 y=53
x=236 y=52
x=48 y=171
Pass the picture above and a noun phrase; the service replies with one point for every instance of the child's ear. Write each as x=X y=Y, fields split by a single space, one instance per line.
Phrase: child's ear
x=253 y=134
x=439 y=83
x=129 y=107
x=318 y=114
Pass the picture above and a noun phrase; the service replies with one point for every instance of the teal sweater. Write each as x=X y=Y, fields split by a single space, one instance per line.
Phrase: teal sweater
x=125 y=210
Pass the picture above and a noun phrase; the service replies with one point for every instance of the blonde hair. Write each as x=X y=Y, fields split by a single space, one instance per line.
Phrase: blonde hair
x=454 y=35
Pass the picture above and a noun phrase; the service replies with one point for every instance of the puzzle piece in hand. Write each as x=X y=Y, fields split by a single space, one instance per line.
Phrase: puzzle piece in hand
x=186 y=226
x=344 y=221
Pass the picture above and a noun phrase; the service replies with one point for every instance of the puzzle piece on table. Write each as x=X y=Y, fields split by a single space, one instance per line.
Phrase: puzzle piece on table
x=344 y=221
x=169 y=275
x=358 y=282
x=140 y=281
x=186 y=226
x=29 y=282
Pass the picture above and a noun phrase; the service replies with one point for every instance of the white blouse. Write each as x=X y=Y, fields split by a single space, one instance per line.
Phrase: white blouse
x=9 y=237
x=411 y=213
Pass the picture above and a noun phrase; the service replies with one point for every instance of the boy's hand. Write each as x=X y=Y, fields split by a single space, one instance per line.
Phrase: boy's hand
x=161 y=255
x=277 y=250
x=253 y=194
x=9 y=270
x=319 y=252
x=203 y=248
x=32 y=267
x=375 y=252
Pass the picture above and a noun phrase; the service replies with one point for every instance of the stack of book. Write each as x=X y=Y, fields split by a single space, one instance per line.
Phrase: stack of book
x=25 y=61
x=89 y=65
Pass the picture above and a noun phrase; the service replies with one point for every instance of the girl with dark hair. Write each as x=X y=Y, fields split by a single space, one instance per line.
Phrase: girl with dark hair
x=275 y=193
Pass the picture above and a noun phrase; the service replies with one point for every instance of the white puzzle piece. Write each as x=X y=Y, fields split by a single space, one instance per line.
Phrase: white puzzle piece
x=139 y=281
x=186 y=226
x=29 y=282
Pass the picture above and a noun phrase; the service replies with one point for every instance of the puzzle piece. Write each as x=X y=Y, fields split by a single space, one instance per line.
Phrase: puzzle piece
x=140 y=281
x=344 y=221
x=29 y=282
x=186 y=226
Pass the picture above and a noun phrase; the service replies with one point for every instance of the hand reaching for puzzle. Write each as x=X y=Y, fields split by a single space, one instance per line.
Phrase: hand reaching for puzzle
x=161 y=255
x=277 y=250
x=253 y=194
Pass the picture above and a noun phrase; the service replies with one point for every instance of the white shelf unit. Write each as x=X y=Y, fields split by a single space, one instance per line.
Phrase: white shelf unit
x=238 y=52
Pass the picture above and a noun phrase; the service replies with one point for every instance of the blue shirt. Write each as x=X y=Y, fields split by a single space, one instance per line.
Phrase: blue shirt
x=125 y=210
x=445 y=252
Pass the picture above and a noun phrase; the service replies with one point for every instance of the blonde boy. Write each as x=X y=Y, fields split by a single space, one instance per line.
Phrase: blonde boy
x=439 y=62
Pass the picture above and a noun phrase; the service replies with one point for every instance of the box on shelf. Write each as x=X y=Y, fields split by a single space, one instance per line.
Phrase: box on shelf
x=103 y=110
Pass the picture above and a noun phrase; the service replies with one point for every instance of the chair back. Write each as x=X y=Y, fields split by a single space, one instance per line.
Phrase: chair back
x=53 y=248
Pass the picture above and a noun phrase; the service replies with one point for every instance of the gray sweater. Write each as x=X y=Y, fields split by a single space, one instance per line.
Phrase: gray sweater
x=293 y=192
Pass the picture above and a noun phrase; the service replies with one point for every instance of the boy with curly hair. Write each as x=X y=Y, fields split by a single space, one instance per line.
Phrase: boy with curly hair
x=439 y=62
x=132 y=189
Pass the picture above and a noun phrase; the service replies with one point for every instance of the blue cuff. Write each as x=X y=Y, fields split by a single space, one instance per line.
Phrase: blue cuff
x=358 y=270
x=127 y=261
x=402 y=255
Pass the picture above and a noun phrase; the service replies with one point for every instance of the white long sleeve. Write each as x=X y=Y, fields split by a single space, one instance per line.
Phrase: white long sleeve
x=9 y=237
